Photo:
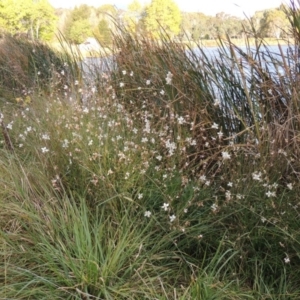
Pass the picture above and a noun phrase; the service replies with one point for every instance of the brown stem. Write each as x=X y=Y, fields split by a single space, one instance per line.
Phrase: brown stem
x=7 y=139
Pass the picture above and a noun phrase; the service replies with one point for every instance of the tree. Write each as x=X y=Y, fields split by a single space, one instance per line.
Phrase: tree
x=42 y=20
x=162 y=15
x=133 y=16
x=255 y=22
x=80 y=31
x=36 y=18
x=78 y=27
x=103 y=33
x=108 y=13
x=274 y=23
x=107 y=9
x=194 y=25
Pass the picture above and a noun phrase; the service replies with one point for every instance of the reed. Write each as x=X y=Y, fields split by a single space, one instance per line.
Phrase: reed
x=169 y=175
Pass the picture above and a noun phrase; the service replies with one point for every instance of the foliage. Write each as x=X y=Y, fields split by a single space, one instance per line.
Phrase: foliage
x=107 y=9
x=133 y=17
x=78 y=27
x=267 y=23
x=34 y=18
x=103 y=33
x=274 y=23
x=171 y=174
x=162 y=15
x=79 y=31
x=27 y=66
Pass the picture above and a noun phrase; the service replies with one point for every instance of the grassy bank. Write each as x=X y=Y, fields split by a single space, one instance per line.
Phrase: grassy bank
x=170 y=177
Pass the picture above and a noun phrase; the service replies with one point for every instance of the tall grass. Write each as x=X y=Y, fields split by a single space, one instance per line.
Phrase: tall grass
x=173 y=175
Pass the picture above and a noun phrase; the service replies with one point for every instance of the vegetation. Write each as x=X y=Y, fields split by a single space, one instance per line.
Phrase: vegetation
x=36 y=19
x=162 y=15
x=103 y=33
x=78 y=27
x=166 y=174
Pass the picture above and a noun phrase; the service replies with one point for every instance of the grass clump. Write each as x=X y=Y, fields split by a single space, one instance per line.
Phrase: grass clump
x=29 y=67
x=172 y=175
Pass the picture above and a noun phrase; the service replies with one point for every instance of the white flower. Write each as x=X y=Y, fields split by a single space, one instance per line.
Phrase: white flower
x=217 y=102
x=214 y=207
x=122 y=84
x=228 y=195
x=271 y=194
x=44 y=149
x=148 y=82
x=147 y=214
x=159 y=157
x=180 y=120
x=162 y=92
x=225 y=155
x=140 y=196
x=169 y=78
x=220 y=134
x=172 y=218
x=131 y=73
x=256 y=176
x=287 y=260
x=290 y=186
x=202 y=178
x=9 y=126
x=45 y=136
x=65 y=143
x=171 y=146
x=215 y=126
x=165 y=206
x=124 y=72
x=185 y=210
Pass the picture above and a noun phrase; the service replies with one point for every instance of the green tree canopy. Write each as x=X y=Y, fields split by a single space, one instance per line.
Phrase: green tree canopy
x=132 y=18
x=103 y=33
x=78 y=27
x=107 y=9
x=274 y=23
x=33 y=17
x=162 y=15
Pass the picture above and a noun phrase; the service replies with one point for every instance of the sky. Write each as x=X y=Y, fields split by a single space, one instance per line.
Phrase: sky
x=209 y=7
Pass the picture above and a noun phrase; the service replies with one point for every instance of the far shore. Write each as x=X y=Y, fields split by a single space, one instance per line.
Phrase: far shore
x=102 y=51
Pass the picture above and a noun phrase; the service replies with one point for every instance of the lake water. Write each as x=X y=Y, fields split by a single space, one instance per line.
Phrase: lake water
x=92 y=67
